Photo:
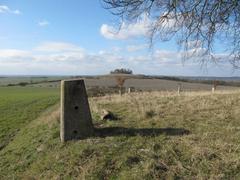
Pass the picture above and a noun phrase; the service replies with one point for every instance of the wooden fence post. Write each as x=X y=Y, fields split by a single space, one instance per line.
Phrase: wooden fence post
x=179 y=89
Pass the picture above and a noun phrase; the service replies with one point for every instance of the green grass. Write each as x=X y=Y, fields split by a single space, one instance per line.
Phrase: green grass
x=14 y=80
x=19 y=106
x=210 y=151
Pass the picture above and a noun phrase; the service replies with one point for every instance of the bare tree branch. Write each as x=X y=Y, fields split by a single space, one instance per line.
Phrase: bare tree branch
x=200 y=21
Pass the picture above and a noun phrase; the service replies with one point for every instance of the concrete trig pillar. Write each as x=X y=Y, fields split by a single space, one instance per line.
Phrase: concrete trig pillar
x=76 y=120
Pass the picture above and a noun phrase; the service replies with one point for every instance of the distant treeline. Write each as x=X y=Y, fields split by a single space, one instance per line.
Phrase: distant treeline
x=219 y=82
x=122 y=71
x=30 y=83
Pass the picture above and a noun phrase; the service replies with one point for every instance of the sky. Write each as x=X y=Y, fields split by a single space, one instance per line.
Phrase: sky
x=77 y=37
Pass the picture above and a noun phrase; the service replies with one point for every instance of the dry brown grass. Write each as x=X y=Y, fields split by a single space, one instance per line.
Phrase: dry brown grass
x=141 y=146
x=142 y=102
x=49 y=117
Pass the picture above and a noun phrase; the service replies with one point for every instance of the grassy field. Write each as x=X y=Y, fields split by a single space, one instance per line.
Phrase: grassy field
x=158 y=135
x=19 y=106
x=12 y=80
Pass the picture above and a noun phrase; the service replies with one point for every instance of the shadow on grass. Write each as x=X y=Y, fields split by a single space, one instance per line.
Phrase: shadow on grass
x=118 y=131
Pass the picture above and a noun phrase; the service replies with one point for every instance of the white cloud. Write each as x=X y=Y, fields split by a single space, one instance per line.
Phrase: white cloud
x=164 y=56
x=133 y=48
x=126 y=31
x=16 y=12
x=59 y=51
x=58 y=58
x=57 y=47
x=6 y=9
x=116 y=49
x=43 y=23
x=13 y=53
x=45 y=52
x=67 y=58
x=142 y=27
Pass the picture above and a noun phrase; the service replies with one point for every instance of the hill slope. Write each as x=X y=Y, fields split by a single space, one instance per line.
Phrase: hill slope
x=157 y=135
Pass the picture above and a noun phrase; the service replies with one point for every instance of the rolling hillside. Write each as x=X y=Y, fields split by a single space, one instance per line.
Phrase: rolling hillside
x=157 y=135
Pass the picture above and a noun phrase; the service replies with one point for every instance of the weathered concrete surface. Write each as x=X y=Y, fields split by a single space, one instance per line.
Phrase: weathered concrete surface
x=76 y=120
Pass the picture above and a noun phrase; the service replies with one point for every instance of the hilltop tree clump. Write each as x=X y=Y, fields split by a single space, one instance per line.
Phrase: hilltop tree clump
x=122 y=71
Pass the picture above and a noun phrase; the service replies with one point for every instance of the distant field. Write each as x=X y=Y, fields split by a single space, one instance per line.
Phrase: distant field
x=106 y=82
x=19 y=106
x=11 y=80
x=154 y=84
x=158 y=135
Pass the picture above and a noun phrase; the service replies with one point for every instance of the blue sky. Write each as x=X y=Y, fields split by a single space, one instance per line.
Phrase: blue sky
x=62 y=37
